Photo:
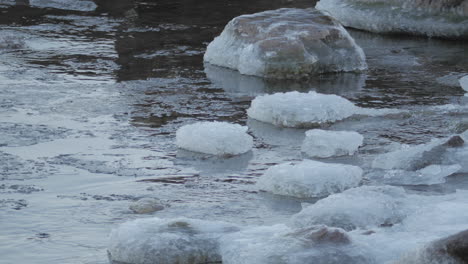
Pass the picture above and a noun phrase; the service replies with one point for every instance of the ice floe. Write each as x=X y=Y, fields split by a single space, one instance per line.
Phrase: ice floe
x=217 y=138
x=309 y=179
x=323 y=144
x=165 y=241
x=285 y=44
x=280 y=244
x=361 y=207
x=302 y=110
x=447 y=19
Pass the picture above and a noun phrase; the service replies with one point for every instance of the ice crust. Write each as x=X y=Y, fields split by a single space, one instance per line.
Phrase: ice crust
x=464 y=82
x=323 y=144
x=279 y=244
x=305 y=110
x=446 y=19
x=309 y=179
x=285 y=44
x=167 y=241
x=361 y=207
x=216 y=138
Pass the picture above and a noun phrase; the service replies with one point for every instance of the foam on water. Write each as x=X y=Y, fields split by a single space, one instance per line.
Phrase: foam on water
x=309 y=179
x=323 y=144
x=215 y=138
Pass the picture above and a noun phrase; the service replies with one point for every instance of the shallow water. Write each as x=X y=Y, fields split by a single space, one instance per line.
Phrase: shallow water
x=91 y=97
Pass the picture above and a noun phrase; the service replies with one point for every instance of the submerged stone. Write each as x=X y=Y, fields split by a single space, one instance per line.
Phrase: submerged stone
x=285 y=44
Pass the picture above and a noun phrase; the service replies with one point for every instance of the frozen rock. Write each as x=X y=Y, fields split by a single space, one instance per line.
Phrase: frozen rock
x=285 y=44
x=362 y=207
x=309 y=179
x=217 y=138
x=167 y=241
x=302 y=110
x=464 y=83
x=449 y=250
x=441 y=18
x=281 y=244
x=323 y=144
x=146 y=206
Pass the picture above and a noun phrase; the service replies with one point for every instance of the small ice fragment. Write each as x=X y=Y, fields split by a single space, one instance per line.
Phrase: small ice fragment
x=146 y=206
x=323 y=144
x=309 y=179
x=217 y=138
x=464 y=82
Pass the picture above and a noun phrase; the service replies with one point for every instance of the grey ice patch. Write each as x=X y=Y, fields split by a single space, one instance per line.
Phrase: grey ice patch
x=15 y=135
x=19 y=188
x=14 y=168
x=11 y=41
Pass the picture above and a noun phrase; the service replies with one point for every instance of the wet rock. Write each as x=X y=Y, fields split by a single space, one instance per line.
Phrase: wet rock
x=285 y=44
x=454 y=142
x=146 y=206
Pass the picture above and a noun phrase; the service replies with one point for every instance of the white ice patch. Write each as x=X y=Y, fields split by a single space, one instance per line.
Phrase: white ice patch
x=154 y=240
x=399 y=16
x=285 y=44
x=464 y=82
x=323 y=144
x=281 y=244
x=302 y=110
x=362 y=207
x=309 y=179
x=215 y=138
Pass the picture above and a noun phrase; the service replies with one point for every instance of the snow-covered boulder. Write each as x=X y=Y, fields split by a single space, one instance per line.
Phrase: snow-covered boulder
x=303 y=110
x=464 y=83
x=280 y=244
x=433 y=18
x=167 y=241
x=309 y=179
x=285 y=44
x=217 y=138
x=361 y=207
x=323 y=143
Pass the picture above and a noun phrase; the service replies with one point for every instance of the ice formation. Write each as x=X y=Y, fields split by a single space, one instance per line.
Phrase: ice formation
x=280 y=244
x=302 y=110
x=285 y=44
x=309 y=179
x=146 y=206
x=464 y=82
x=447 y=19
x=167 y=241
x=217 y=138
x=361 y=207
x=323 y=144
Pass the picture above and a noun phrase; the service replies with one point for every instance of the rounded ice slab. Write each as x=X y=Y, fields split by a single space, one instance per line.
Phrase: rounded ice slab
x=167 y=241
x=285 y=44
x=302 y=110
x=440 y=18
x=324 y=144
x=362 y=207
x=464 y=82
x=309 y=179
x=217 y=138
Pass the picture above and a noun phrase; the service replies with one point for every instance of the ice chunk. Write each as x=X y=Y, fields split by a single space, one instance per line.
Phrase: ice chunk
x=464 y=83
x=285 y=44
x=217 y=138
x=281 y=244
x=302 y=110
x=309 y=179
x=362 y=207
x=323 y=144
x=432 y=174
x=166 y=241
x=146 y=206
x=447 y=19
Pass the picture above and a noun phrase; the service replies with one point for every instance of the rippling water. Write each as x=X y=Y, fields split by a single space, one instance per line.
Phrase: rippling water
x=91 y=94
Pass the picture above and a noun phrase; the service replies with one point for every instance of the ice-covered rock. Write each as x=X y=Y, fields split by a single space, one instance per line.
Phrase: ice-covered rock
x=464 y=82
x=323 y=144
x=309 y=179
x=217 y=138
x=167 y=241
x=449 y=250
x=432 y=174
x=302 y=110
x=280 y=244
x=440 y=18
x=285 y=44
x=361 y=207
x=146 y=206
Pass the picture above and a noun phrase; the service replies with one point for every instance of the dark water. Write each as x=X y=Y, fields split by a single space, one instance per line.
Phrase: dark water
x=90 y=94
